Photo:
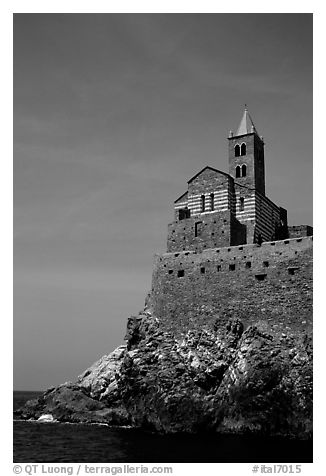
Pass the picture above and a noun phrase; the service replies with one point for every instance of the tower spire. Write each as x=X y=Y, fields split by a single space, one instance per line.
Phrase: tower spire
x=247 y=124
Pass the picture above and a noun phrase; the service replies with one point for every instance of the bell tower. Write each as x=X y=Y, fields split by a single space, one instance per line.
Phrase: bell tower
x=246 y=155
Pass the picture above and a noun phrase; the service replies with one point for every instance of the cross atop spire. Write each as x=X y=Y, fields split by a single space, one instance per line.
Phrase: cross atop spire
x=246 y=125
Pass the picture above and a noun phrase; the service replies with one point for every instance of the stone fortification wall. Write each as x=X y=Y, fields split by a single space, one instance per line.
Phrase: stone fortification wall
x=272 y=283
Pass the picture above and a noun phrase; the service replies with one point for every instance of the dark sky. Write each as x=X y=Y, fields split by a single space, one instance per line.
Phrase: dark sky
x=113 y=113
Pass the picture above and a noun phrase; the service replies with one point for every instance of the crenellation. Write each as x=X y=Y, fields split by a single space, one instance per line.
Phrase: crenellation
x=227 y=281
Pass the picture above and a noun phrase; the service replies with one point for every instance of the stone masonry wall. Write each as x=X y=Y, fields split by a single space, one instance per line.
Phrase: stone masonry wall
x=271 y=283
x=205 y=231
x=213 y=229
x=300 y=230
x=209 y=180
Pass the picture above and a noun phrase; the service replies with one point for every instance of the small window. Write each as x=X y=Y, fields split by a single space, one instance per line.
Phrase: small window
x=198 y=228
x=202 y=199
x=265 y=264
x=299 y=239
x=202 y=270
x=243 y=149
x=232 y=267
x=286 y=242
x=241 y=206
x=237 y=171
x=212 y=201
x=248 y=264
x=291 y=271
x=181 y=273
x=260 y=277
x=218 y=267
x=184 y=213
x=240 y=248
x=170 y=271
x=237 y=150
x=244 y=170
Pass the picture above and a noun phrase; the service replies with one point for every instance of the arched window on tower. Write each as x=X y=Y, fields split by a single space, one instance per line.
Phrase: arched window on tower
x=237 y=150
x=243 y=149
x=202 y=199
x=244 y=170
x=212 y=201
x=237 y=171
x=241 y=206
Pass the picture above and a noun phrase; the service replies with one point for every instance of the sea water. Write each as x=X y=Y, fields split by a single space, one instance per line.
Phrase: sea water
x=73 y=443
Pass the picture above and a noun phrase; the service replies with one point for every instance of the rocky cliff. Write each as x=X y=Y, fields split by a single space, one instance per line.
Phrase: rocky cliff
x=218 y=378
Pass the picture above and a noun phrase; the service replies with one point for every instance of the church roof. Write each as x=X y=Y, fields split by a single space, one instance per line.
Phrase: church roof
x=210 y=168
x=246 y=125
x=184 y=195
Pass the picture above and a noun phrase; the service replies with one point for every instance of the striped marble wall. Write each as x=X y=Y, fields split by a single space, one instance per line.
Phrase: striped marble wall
x=249 y=207
x=267 y=217
x=223 y=200
x=179 y=205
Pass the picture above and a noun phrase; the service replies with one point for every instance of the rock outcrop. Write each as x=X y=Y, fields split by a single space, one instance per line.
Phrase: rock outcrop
x=221 y=379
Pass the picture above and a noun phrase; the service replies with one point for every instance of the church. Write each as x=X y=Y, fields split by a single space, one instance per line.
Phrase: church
x=230 y=250
x=222 y=209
